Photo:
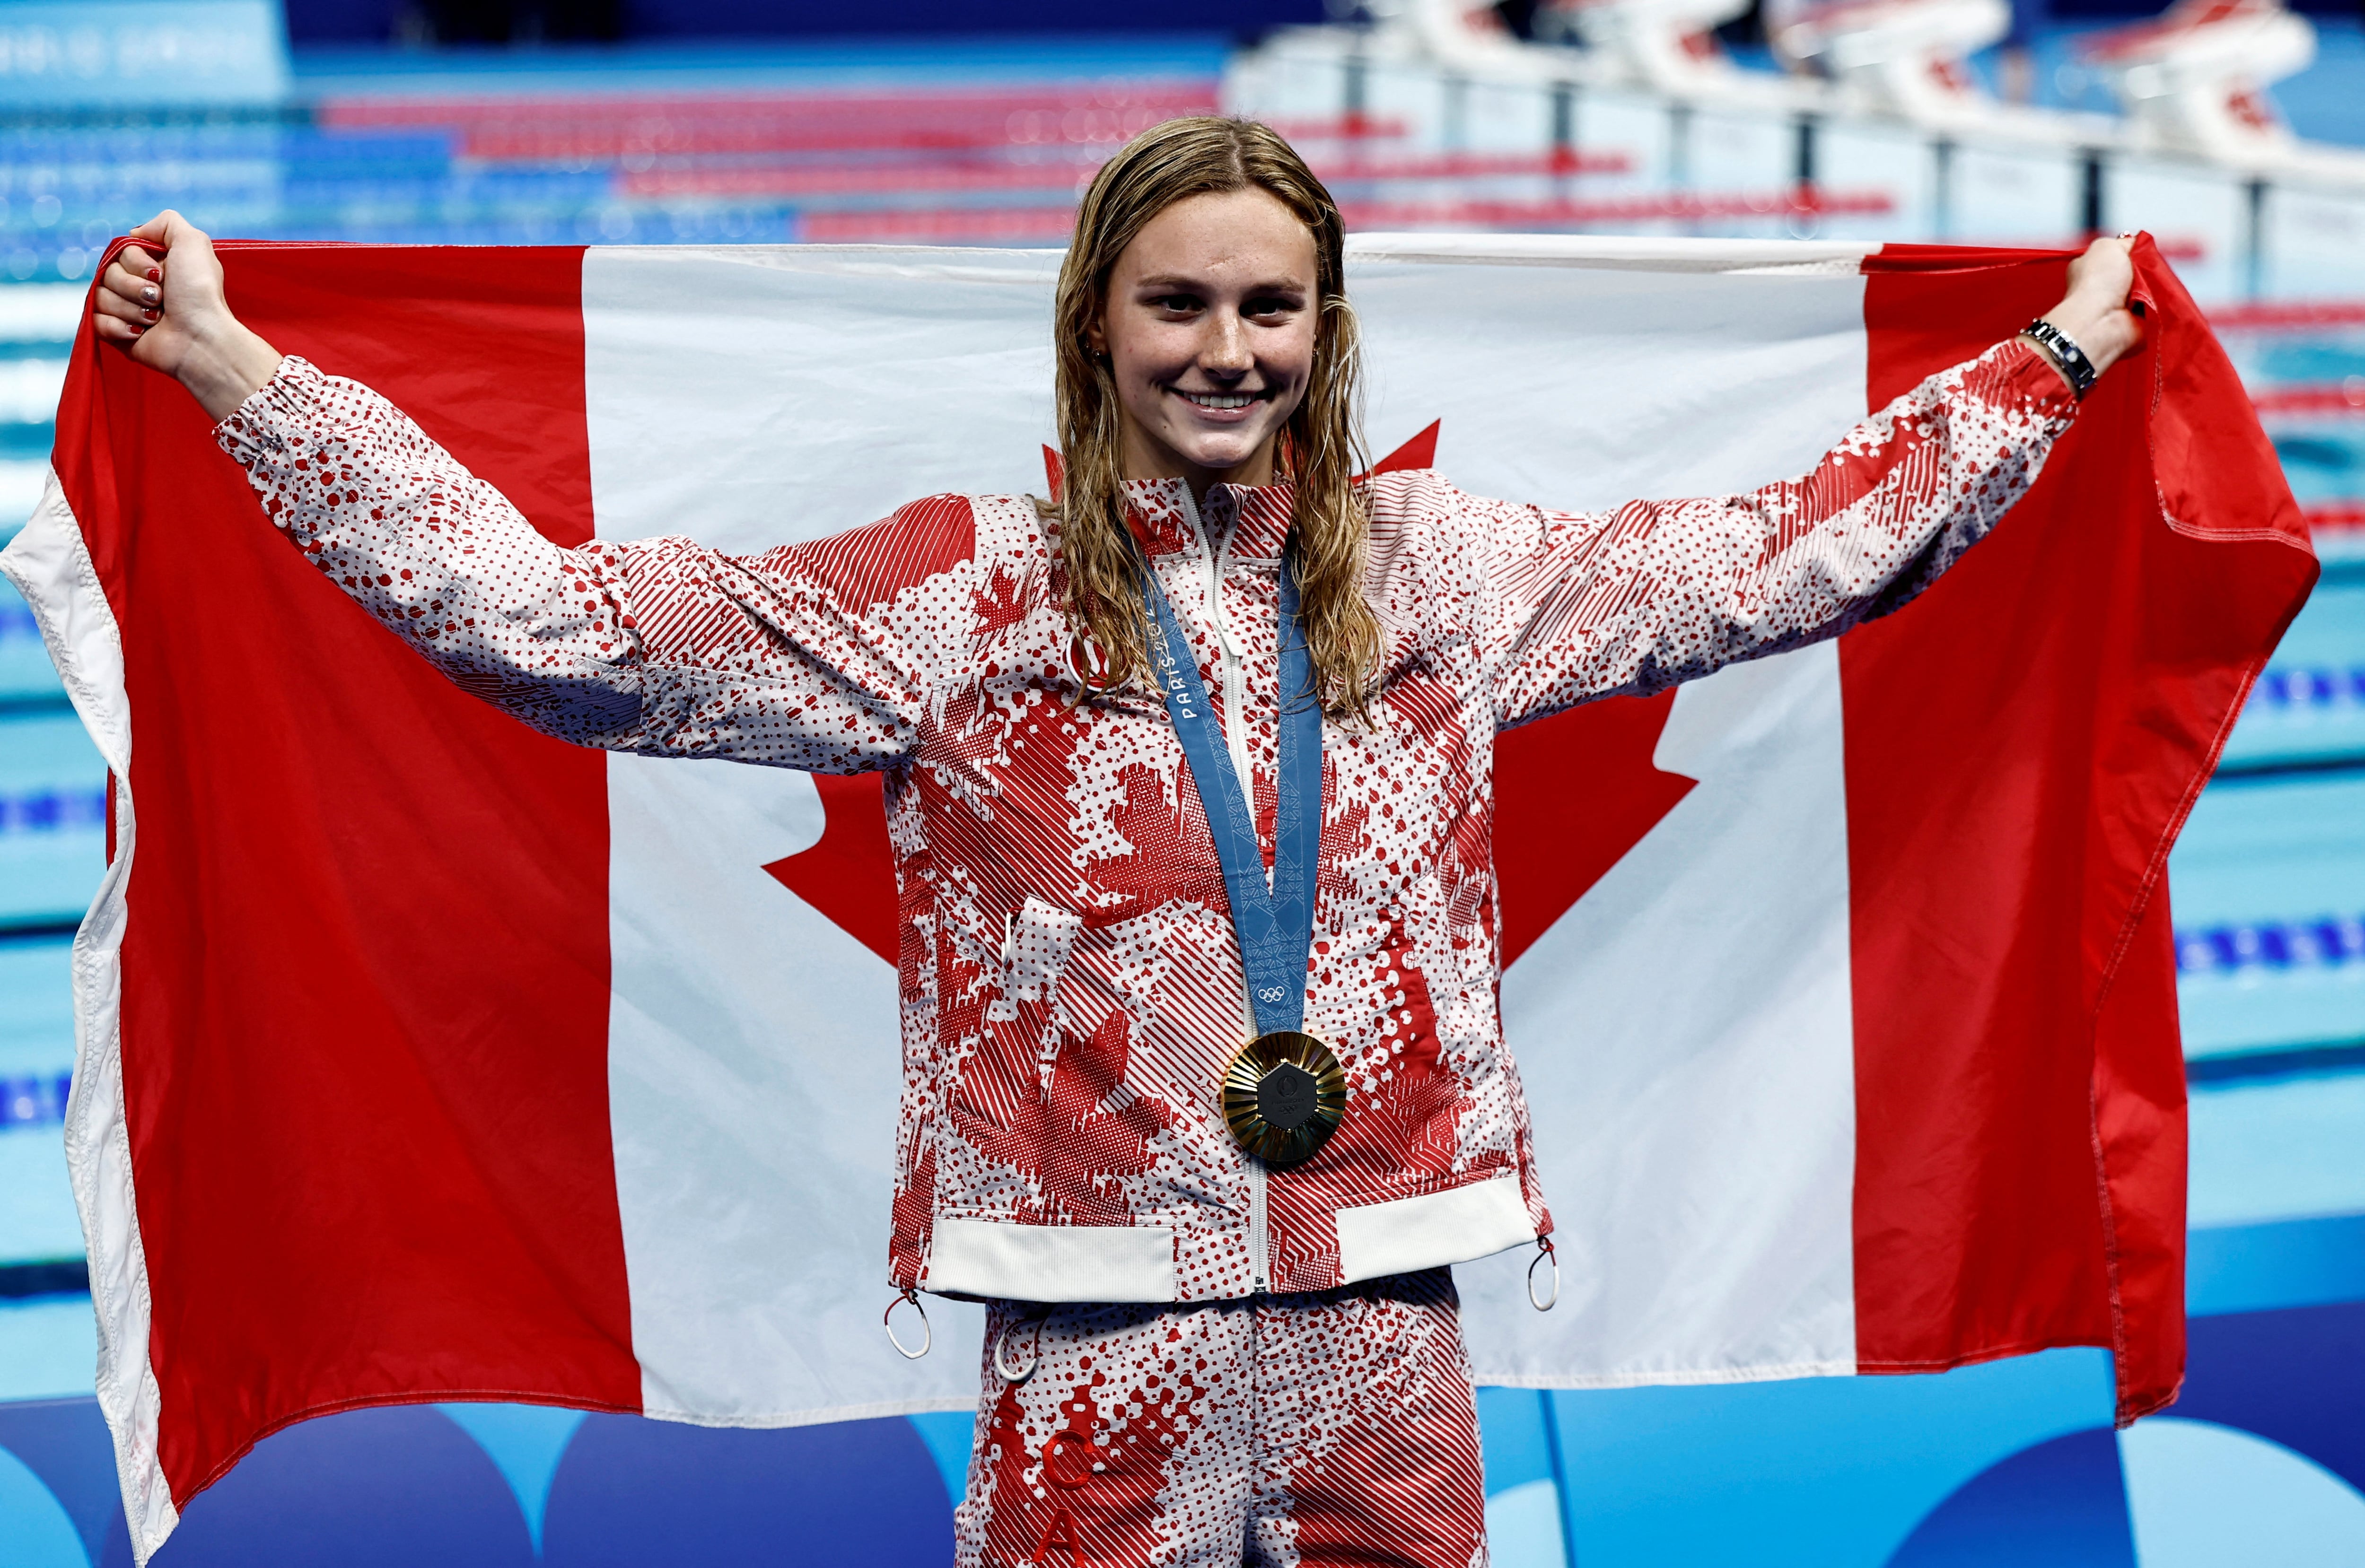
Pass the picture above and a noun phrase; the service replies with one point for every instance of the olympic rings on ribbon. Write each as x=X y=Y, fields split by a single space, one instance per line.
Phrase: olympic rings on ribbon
x=1544 y=1253
x=927 y=1330
x=1034 y=1355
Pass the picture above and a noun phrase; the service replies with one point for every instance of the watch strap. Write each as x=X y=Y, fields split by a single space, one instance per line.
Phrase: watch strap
x=2065 y=353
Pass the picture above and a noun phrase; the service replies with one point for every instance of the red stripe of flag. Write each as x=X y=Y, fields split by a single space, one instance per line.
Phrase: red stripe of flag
x=2020 y=1159
x=355 y=888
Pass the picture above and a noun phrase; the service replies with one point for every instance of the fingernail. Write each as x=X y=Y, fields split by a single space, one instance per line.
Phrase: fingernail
x=155 y=275
x=137 y=329
x=149 y=295
x=149 y=314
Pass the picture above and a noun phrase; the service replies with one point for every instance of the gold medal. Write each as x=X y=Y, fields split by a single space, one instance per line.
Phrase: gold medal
x=1283 y=1094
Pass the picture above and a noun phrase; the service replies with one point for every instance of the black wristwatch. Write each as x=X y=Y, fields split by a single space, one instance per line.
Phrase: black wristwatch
x=2065 y=353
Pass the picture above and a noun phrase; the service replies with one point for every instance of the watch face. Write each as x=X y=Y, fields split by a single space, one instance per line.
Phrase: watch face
x=1283 y=1094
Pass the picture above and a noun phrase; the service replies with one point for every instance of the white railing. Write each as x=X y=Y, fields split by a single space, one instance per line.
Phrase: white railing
x=1702 y=146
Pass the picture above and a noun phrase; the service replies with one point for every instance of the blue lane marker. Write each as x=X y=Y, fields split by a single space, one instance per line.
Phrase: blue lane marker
x=2321 y=687
x=2330 y=941
x=53 y=810
x=37 y=1100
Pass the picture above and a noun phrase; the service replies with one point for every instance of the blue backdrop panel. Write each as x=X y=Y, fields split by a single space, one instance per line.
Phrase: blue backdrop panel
x=630 y=1492
x=64 y=1443
x=2009 y=1462
x=2296 y=1376
x=392 y=1488
x=2062 y=1503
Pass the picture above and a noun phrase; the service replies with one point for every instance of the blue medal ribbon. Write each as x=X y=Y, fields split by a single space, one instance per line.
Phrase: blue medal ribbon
x=1275 y=924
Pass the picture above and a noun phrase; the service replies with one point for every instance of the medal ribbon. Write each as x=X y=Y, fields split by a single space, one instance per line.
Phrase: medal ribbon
x=1275 y=924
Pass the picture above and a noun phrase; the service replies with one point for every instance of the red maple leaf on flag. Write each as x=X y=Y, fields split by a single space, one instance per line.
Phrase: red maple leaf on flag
x=1572 y=794
x=850 y=875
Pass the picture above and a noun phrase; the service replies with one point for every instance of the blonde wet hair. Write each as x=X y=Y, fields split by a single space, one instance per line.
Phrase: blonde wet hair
x=1320 y=449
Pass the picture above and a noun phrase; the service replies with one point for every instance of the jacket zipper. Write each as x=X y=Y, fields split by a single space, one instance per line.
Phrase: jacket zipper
x=1235 y=741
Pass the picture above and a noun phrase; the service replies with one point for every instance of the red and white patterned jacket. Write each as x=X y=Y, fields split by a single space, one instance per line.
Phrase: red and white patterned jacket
x=1072 y=988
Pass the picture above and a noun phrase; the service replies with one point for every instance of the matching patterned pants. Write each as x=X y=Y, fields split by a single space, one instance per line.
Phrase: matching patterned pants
x=1327 y=1428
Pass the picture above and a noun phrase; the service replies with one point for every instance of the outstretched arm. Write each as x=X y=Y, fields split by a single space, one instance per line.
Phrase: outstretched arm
x=1666 y=591
x=814 y=656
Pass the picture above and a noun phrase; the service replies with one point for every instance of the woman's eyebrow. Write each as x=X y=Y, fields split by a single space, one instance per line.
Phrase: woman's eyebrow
x=1175 y=285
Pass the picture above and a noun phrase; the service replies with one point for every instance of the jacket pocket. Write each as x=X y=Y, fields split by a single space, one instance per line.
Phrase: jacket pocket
x=1004 y=1085
x=1035 y=951
x=1044 y=1097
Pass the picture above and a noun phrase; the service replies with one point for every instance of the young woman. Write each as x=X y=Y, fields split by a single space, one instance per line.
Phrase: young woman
x=1196 y=753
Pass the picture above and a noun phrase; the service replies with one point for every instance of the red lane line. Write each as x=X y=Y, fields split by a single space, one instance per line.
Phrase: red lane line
x=1341 y=128
x=1615 y=209
x=1053 y=223
x=2343 y=397
x=1474 y=166
x=675 y=140
x=657 y=184
x=614 y=139
x=2284 y=316
x=987 y=223
x=610 y=144
x=1193 y=93
x=1051 y=176
x=574 y=128
x=2336 y=516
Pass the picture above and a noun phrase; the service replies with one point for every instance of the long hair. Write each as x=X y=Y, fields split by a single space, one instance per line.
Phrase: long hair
x=1320 y=448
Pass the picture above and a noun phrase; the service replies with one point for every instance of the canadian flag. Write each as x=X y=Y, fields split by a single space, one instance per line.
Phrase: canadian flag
x=424 y=1056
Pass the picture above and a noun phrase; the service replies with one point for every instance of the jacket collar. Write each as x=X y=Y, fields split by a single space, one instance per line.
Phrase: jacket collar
x=1254 y=518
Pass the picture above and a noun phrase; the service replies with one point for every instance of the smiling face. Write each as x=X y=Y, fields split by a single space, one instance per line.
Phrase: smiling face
x=1209 y=324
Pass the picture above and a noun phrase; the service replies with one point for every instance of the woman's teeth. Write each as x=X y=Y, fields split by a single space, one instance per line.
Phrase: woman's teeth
x=1219 y=399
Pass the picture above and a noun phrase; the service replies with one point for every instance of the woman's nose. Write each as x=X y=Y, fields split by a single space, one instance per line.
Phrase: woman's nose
x=1226 y=347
